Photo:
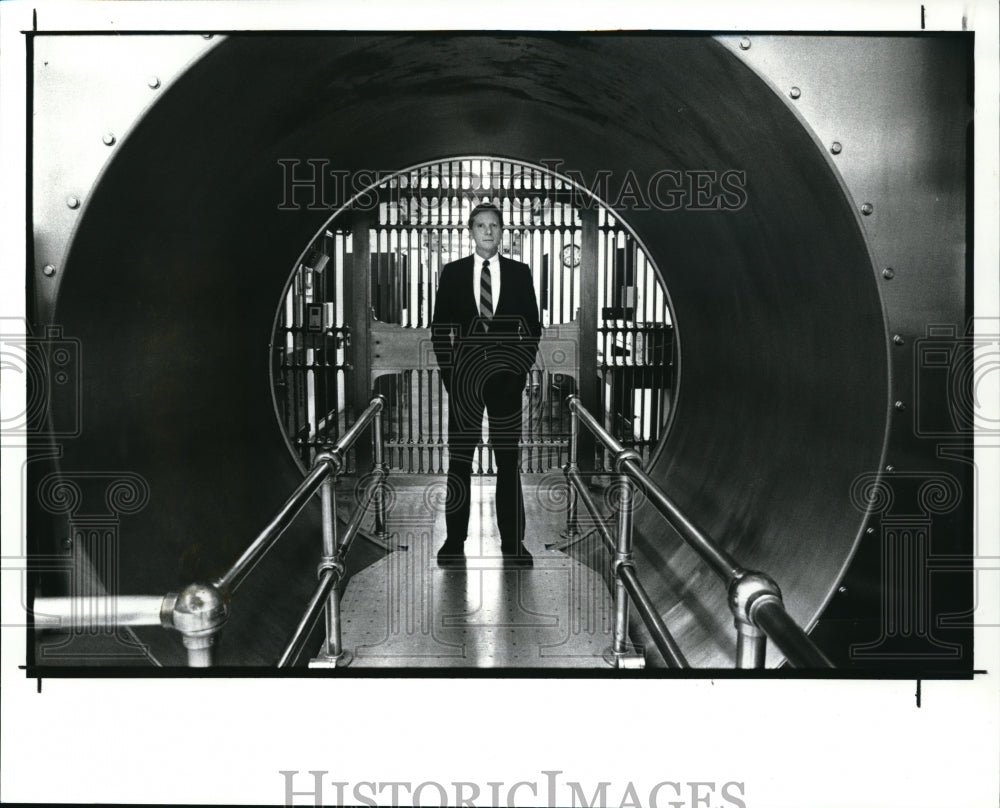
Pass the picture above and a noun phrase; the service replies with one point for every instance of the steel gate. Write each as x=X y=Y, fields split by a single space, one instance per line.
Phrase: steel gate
x=415 y=222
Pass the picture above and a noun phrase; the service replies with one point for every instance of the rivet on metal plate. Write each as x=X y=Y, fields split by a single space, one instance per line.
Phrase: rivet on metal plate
x=795 y=92
x=49 y=270
x=835 y=147
x=745 y=43
x=898 y=340
x=890 y=468
x=867 y=208
x=109 y=139
x=72 y=202
x=888 y=273
x=153 y=82
x=900 y=405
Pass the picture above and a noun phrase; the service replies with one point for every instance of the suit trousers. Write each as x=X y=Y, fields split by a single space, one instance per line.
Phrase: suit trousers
x=499 y=393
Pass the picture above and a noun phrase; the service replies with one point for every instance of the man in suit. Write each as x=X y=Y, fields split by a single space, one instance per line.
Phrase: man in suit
x=485 y=332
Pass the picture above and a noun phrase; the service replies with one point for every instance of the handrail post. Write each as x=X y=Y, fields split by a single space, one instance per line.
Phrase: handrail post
x=572 y=531
x=751 y=646
x=328 y=504
x=746 y=592
x=381 y=532
x=620 y=654
x=332 y=653
x=623 y=554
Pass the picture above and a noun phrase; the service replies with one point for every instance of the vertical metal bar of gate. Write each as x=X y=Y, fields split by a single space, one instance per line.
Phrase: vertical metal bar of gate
x=360 y=308
x=589 y=281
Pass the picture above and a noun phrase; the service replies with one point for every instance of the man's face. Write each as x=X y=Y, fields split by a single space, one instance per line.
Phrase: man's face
x=486 y=233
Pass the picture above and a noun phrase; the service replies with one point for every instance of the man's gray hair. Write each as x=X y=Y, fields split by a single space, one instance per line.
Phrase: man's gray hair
x=484 y=207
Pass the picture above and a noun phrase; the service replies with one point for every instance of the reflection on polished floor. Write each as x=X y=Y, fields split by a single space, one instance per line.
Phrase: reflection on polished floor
x=404 y=611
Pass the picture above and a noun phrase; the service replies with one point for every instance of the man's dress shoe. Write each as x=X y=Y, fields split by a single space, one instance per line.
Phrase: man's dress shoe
x=451 y=555
x=517 y=558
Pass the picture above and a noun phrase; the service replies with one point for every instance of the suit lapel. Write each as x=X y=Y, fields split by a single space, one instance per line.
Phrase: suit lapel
x=465 y=293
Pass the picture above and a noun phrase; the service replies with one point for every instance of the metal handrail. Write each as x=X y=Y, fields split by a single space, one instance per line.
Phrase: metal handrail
x=236 y=574
x=574 y=477
x=96 y=611
x=201 y=610
x=332 y=570
x=328 y=463
x=770 y=616
x=662 y=638
x=658 y=630
x=754 y=598
x=717 y=558
x=328 y=580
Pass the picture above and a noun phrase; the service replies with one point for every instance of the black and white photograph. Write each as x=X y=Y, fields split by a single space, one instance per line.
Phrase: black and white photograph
x=495 y=407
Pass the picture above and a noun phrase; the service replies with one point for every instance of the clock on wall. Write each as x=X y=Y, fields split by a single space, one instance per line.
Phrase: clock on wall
x=571 y=255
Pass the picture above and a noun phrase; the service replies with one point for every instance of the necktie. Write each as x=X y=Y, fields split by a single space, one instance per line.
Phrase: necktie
x=486 y=294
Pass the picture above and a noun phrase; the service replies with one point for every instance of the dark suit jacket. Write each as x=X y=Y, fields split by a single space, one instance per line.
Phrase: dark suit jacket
x=462 y=344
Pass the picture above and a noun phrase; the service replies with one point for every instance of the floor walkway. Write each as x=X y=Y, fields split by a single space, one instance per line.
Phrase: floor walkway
x=406 y=612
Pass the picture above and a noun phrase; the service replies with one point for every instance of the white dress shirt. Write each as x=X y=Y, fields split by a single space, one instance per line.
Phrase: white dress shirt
x=477 y=277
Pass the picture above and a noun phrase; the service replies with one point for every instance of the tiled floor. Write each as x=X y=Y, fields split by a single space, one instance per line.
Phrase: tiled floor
x=404 y=611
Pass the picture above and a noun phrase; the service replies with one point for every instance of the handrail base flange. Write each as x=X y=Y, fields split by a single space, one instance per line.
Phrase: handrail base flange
x=631 y=659
x=342 y=660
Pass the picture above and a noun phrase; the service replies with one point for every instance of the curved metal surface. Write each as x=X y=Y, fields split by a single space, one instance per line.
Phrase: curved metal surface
x=84 y=108
x=784 y=390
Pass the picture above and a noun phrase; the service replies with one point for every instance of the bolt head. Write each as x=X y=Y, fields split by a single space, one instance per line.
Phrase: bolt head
x=835 y=147
x=49 y=270
x=795 y=92
x=72 y=202
x=153 y=82
x=745 y=43
x=867 y=208
x=898 y=340
x=890 y=468
x=900 y=405
x=888 y=273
